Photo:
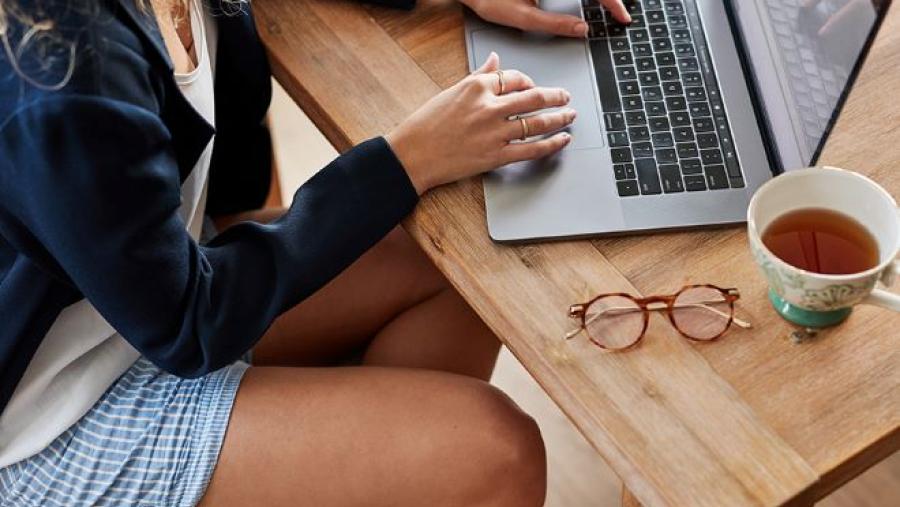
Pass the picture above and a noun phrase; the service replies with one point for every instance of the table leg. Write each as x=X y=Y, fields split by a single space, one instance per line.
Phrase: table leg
x=628 y=500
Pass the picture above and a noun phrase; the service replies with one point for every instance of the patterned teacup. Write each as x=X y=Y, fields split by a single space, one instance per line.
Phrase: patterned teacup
x=813 y=299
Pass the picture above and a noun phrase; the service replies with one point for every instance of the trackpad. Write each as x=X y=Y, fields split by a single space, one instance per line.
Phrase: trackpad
x=550 y=61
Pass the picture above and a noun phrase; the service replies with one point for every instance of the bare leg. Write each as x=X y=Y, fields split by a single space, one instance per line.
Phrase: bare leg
x=394 y=308
x=376 y=437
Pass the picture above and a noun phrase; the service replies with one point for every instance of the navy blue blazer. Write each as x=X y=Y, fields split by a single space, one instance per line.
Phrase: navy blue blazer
x=90 y=178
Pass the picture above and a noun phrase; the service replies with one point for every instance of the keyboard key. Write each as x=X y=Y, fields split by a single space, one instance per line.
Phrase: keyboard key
x=666 y=156
x=606 y=83
x=656 y=109
x=694 y=183
x=679 y=119
x=691 y=166
x=649 y=78
x=668 y=73
x=683 y=134
x=621 y=173
x=647 y=176
x=617 y=139
x=687 y=150
x=633 y=7
x=645 y=63
x=699 y=109
x=660 y=124
x=632 y=102
x=639 y=134
x=633 y=118
x=707 y=140
x=619 y=44
x=642 y=150
x=677 y=21
x=681 y=34
x=672 y=88
x=692 y=79
x=695 y=94
x=639 y=35
x=597 y=30
x=627 y=188
x=653 y=4
x=652 y=93
x=713 y=156
x=616 y=30
x=703 y=125
x=642 y=50
x=684 y=49
x=676 y=103
x=622 y=59
x=614 y=121
x=662 y=140
x=629 y=171
x=715 y=177
x=674 y=8
x=671 y=178
x=637 y=21
x=665 y=59
x=629 y=88
x=731 y=164
x=688 y=64
x=593 y=13
x=655 y=16
x=625 y=73
x=621 y=155
x=662 y=45
x=657 y=31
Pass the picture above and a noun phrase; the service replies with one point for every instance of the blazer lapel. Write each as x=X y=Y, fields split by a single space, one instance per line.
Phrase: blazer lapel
x=190 y=131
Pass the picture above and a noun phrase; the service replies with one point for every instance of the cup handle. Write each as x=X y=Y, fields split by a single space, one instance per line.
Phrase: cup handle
x=883 y=299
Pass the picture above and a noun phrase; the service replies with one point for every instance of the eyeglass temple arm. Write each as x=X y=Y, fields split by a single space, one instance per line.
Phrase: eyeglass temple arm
x=740 y=322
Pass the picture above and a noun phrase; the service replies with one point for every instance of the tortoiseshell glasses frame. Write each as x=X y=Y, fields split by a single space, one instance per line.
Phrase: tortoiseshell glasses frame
x=669 y=304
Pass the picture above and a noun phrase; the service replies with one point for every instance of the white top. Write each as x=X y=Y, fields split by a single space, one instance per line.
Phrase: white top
x=82 y=355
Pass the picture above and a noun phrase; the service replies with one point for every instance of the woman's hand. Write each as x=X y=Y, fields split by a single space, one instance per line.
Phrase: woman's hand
x=527 y=15
x=466 y=129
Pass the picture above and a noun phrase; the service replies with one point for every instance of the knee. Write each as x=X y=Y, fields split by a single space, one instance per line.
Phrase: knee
x=505 y=453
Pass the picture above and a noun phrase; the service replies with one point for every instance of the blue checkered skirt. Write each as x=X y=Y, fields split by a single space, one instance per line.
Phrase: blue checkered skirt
x=152 y=439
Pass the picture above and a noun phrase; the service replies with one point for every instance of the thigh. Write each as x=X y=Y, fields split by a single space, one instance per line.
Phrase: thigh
x=340 y=319
x=375 y=436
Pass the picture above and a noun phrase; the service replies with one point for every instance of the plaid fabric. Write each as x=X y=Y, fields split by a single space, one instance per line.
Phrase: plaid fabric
x=152 y=439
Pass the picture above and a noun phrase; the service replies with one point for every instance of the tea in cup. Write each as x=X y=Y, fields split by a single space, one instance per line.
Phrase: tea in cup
x=823 y=238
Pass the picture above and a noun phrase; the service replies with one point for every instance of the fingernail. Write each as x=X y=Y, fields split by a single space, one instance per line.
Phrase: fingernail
x=628 y=17
x=568 y=95
x=571 y=114
x=581 y=28
x=567 y=138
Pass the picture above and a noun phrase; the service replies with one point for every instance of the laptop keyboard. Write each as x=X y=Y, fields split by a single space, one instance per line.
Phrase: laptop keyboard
x=664 y=118
x=816 y=87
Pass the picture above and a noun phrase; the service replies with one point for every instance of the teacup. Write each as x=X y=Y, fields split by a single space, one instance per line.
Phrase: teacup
x=814 y=299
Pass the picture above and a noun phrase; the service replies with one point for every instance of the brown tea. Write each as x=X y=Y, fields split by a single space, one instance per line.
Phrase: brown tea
x=822 y=241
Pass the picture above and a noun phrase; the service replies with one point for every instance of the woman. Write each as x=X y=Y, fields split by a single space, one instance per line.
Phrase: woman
x=122 y=126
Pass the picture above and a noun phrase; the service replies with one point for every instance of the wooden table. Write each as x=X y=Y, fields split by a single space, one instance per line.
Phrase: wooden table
x=753 y=419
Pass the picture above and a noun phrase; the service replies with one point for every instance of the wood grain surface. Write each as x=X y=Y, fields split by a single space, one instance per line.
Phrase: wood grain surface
x=750 y=420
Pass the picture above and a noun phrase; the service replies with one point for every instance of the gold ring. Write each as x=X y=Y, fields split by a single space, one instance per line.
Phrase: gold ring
x=524 y=129
x=502 y=84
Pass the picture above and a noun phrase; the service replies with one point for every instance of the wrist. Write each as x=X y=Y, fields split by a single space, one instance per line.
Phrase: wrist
x=406 y=154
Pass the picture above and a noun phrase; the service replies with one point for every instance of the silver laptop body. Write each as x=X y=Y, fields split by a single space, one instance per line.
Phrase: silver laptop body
x=758 y=131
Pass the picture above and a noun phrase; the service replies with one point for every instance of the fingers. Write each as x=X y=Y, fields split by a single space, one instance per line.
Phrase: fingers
x=540 y=124
x=512 y=81
x=618 y=10
x=490 y=65
x=529 y=17
x=533 y=99
x=517 y=152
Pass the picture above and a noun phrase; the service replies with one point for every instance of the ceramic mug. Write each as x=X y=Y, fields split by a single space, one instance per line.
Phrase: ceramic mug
x=814 y=299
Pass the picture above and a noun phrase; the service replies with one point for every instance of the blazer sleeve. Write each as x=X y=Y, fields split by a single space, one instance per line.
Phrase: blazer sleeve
x=94 y=184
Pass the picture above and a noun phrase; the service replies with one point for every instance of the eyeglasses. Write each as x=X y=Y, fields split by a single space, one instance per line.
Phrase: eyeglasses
x=619 y=321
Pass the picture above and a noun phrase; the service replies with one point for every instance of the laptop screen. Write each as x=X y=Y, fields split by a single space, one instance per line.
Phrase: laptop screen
x=803 y=53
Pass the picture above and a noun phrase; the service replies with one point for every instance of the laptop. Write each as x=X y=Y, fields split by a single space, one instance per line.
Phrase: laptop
x=682 y=115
